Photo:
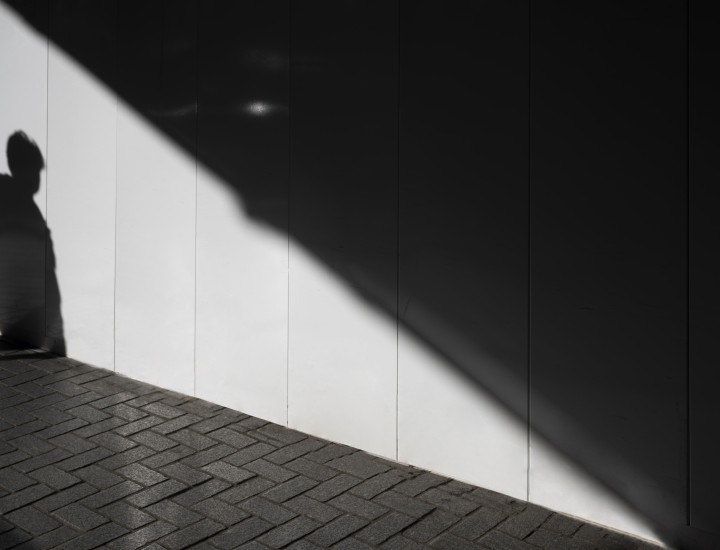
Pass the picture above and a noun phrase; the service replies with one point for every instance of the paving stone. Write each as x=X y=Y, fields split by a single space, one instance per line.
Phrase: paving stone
x=495 y=540
x=32 y=520
x=454 y=504
x=447 y=541
x=113 y=399
x=126 y=412
x=385 y=527
x=249 y=454
x=269 y=470
x=423 y=482
x=431 y=526
x=303 y=544
x=173 y=513
x=220 y=511
x=81 y=399
x=31 y=445
x=54 y=477
x=185 y=474
x=88 y=413
x=153 y=440
x=329 y=452
x=10 y=539
x=289 y=532
x=201 y=492
x=244 y=531
x=192 y=439
x=141 y=474
x=228 y=472
x=333 y=487
x=167 y=457
x=478 y=523
x=398 y=542
x=553 y=540
x=79 y=517
x=65 y=497
x=130 y=456
x=192 y=534
x=97 y=476
x=358 y=506
x=72 y=443
x=246 y=490
x=166 y=411
x=126 y=515
x=52 y=539
x=27 y=428
x=283 y=435
x=156 y=493
x=289 y=489
x=143 y=536
x=562 y=524
x=522 y=524
x=359 y=465
x=312 y=508
x=295 y=450
x=60 y=429
x=211 y=424
x=232 y=438
x=491 y=499
x=16 y=457
x=106 y=496
x=376 y=485
x=84 y=459
x=138 y=425
x=203 y=458
x=23 y=497
x=258 y=506
x=12 y=480
x=405 y=504
x=352 y=543
x=337 y=530
x=176 y=424
x=114 y=442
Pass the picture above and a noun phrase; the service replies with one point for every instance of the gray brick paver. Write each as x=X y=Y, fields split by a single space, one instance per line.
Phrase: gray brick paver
x=90 y=459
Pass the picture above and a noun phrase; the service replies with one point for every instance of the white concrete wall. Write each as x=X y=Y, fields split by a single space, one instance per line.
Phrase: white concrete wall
x=168 y=274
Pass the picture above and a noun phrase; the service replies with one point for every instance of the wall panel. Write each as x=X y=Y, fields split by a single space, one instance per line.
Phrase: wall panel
x=23 y=96
x=704 y=269
x=463 y=241
x=154 y=328
x=343 y=205
x=81 y=187
x=608 y=211
x=242 y=248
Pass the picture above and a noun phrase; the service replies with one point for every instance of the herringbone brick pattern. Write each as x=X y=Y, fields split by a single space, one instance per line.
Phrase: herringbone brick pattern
x=91 y=459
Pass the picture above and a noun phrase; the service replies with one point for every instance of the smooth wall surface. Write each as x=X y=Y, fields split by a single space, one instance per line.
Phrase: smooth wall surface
x=471 y=236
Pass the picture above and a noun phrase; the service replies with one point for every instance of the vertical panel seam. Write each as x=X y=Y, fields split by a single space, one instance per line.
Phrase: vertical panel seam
x=397 y=258
x=688 y=390
x=47 y=175
x=529 y=248
x=117 y=121
x=197 y=149
x=289 y=178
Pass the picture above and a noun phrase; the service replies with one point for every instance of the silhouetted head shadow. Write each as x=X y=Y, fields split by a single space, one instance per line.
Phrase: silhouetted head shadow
x=29 y=292
x=25 y=161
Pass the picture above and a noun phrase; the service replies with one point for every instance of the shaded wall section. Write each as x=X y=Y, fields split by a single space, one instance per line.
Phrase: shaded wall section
x=454 y=234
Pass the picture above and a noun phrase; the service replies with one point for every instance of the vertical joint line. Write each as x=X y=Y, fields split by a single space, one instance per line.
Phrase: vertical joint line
x=687 y=275
x=397 y=257
x=117 y=108
x=529 y=251
x=47 y=175
x=289 y=178
x=197 y=149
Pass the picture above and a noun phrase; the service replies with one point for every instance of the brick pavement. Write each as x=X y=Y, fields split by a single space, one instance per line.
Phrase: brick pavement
x=91 y=459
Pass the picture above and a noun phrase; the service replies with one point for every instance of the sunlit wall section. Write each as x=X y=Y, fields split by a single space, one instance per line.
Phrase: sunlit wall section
x=23 y=97
x=343 y=207
x=462 y=396
x=81 y=182
x=242 y=247
x=155 y=293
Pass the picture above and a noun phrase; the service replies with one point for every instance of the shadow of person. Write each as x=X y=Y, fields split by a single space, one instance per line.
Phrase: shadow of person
x=29 y=293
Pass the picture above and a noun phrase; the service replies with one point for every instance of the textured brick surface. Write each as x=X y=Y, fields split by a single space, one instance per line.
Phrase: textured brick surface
x=90 y=459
